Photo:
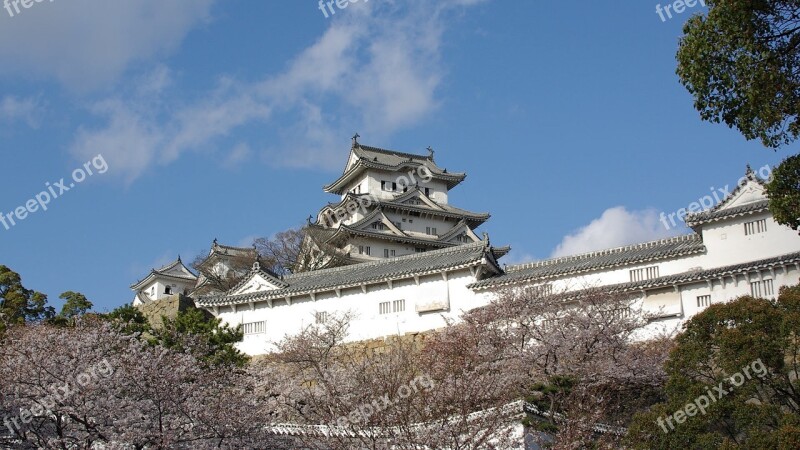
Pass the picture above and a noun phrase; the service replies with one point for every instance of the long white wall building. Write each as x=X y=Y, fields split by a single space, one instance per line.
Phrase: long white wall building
x=734 y=249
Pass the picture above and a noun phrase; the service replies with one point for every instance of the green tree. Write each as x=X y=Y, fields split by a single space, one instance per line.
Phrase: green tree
x=784 y=192
x=741 y=63
x=130 y=320
x=738 y=361
x=75 y=304
x=19 y=305
x=216 y=340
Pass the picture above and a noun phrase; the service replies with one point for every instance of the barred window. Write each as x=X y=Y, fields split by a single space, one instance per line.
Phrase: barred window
x=398 y=305
x=384 y=308
x=645 y=273
x=755 y=227
x=254 y=328
x=703 y=301
x=762 y=289
x=321 y=316
x=621 y=313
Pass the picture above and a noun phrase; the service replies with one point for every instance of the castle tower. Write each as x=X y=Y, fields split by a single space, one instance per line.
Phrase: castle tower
x=391 y=204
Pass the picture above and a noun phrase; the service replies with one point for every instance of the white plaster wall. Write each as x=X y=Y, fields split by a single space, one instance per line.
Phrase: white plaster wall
x=370 y=182
x=283 y=319
x=728 y=245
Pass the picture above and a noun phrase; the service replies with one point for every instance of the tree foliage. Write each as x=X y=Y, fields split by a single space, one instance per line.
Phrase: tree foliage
x=754 y=412
x=741 y=63
x=280 y=253
x=19 y=305
x=784 y=193
x=192 y=325
x=481 y=367
x=92 y=386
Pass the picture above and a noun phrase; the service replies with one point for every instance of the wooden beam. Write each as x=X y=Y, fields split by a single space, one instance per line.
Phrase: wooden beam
x=389 y=283
x=338 y=293
x=252 y=306
x=416 y=280
x=313 y=296
x=364 y=288
x=289 y=300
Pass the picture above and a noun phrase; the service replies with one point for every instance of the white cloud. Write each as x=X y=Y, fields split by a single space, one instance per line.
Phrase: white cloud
x=374 y=70
x=86 y=44
x=28 y=110
x=616 y=227
x=140 y=129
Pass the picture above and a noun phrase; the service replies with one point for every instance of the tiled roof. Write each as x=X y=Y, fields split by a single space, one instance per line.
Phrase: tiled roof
x=692 y=276
x=715 y=215
x=390 y=160
x=443 y=210
x=175 y=270
x=689 y=244
x=365 y=273
x=721 y=210
x=499 y=252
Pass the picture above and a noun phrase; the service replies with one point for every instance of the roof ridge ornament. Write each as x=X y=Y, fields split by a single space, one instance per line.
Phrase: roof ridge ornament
x=355 y=139
x=430 y=152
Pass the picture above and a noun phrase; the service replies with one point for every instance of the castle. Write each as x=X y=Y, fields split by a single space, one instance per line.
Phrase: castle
x=393 y=252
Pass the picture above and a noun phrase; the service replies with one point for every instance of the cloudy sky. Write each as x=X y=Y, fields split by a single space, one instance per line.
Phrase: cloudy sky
x=224 y=120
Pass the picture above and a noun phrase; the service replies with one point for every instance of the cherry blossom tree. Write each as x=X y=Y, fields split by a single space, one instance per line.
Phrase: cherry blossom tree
x=91 y=386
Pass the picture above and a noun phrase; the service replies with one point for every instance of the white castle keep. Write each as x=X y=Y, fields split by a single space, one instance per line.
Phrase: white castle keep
x=397 y=255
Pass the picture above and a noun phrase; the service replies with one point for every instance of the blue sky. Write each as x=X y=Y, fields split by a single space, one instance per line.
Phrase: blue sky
x=225 y=119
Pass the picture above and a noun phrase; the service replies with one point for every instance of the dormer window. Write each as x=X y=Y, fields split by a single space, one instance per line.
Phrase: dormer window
x=168 y=290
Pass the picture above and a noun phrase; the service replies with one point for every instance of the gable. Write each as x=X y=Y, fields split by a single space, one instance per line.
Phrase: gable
x=256 y=282
x=752 y=191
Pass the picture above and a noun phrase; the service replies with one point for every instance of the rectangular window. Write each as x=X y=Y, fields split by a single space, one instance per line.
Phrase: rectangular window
x=645 y=273
x=621 y=313
x=392 y=253
x=755 y=227
x=360 y=249
x=703 y=301
x=542 y=290
x=386 y=253
x=419 y=250
x=384 y=307
x=367 y=250
x=430 y=231
x=388 y=186
x=321 y=317
x=762 y=289
x=428 y=192
x=398 y=306
x=254 y=328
